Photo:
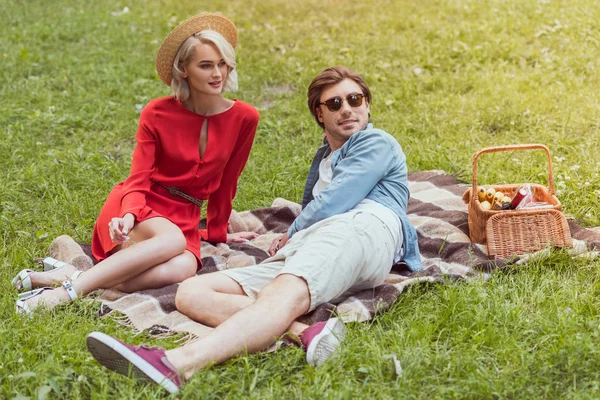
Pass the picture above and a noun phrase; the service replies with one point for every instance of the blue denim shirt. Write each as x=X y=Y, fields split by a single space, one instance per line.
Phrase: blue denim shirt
x=370 y=165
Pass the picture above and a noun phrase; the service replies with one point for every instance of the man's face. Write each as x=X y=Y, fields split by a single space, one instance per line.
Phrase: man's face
x=341 y=124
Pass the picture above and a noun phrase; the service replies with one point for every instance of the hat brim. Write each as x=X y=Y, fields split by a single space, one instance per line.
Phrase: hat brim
x=170 y=46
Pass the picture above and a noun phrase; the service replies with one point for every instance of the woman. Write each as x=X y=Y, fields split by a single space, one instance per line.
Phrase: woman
x=191 y=146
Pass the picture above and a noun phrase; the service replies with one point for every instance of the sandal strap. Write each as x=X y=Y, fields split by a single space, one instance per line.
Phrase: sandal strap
x=23 y=279
x=68 y=285
x=76 y=275
x=50 y=263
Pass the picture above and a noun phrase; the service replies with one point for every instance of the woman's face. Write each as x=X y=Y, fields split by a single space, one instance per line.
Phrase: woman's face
x=206 y=70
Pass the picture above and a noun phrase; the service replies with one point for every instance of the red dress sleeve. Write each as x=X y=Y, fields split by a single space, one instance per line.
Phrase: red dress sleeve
x=219 y=202
x=138 y=183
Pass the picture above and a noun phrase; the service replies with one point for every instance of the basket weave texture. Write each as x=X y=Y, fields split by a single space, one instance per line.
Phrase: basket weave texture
x=513 y=232
x=516 y=234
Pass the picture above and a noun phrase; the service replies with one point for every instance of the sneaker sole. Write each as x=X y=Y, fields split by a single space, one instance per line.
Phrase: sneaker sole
x=324 y=344
x=118 y=358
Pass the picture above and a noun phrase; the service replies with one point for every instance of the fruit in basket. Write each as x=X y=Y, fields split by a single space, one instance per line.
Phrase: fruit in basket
x=489 y=194
x=481 y=193
x=485 y=205
x=498 y=197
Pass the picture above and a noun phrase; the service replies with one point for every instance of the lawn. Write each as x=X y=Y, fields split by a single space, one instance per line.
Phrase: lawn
x=448 y=78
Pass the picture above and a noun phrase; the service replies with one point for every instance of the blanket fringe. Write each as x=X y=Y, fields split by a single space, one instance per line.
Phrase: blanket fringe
x=187 y=338
x=183 y=339
x=124 y=321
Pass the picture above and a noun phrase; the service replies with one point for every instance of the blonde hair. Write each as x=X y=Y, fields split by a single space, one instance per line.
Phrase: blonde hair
x=180 y=85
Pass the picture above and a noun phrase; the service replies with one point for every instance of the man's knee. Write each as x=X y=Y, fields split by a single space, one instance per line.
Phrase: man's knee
x=191 y=294
x=289 y=290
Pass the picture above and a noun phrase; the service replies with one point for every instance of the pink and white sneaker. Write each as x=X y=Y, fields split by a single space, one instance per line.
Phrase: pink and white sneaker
x=322 y=339
x=143 y=363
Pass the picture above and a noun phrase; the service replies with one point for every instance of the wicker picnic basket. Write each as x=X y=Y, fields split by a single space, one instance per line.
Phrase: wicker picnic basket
x=512 y=232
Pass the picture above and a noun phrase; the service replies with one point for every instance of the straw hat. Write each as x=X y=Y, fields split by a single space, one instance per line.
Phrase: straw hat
x=170 y=46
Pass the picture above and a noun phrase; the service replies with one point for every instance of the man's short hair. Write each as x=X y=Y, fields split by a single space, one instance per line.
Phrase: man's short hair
x=328 y=77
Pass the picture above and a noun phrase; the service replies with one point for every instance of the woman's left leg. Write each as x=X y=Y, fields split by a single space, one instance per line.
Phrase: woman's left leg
x=176 y=270
x=157 y=241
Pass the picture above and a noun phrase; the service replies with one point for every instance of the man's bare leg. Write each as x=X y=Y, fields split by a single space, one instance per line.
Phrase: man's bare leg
x=251 y=329
x=212 y=298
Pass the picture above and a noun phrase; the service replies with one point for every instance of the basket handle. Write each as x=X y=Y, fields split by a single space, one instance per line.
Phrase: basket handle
x=512 y=147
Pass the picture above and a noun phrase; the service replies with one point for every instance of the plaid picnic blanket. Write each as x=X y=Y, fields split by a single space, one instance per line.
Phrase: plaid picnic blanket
x=436 y=209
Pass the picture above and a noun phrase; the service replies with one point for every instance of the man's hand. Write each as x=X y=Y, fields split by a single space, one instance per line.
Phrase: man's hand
x=241 y=237
x=278 y=243
x=118 y=228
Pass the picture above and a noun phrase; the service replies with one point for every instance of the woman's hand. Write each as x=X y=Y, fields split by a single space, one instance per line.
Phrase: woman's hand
x=278 y=243
x=241 y=237
x=120 y=227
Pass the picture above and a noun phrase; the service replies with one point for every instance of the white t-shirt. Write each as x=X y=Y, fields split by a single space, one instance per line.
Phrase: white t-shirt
x=380 y=211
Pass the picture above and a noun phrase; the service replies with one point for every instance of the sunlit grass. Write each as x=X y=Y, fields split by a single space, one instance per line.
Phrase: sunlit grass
x=448 y=78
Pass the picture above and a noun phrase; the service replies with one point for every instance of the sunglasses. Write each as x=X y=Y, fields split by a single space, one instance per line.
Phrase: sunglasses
x=335 y=103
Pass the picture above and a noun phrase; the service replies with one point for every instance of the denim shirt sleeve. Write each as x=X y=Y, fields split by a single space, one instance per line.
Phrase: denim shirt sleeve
x=363 y=161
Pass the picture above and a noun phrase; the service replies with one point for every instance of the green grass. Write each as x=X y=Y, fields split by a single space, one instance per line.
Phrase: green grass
x=448 y=78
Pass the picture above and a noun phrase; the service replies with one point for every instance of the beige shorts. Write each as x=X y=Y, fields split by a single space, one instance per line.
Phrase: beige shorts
x=337 y=257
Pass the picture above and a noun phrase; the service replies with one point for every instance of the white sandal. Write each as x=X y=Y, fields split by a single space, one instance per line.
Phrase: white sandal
x=23 y=308
x=50 y=264
x=22 y=281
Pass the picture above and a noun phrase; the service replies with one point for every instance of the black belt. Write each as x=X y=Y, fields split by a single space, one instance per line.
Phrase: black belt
x=177 y=192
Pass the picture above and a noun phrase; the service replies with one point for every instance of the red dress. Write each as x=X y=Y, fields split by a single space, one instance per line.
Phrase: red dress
x=167 y=151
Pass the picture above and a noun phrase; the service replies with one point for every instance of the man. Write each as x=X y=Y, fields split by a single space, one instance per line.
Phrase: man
x=352 y=229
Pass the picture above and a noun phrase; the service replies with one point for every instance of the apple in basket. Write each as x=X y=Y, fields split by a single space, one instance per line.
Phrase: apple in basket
x=485 y=205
